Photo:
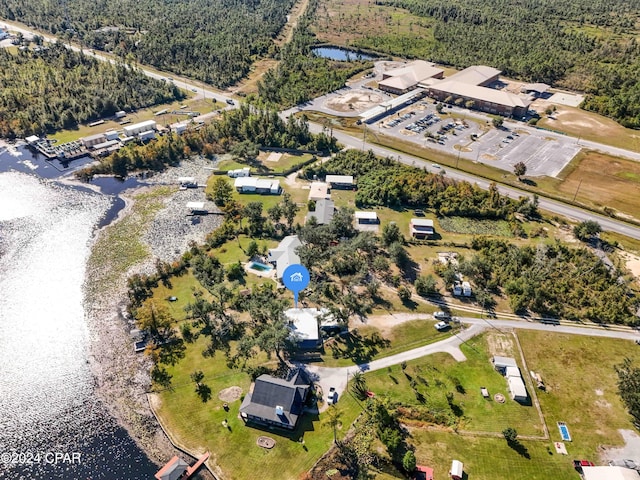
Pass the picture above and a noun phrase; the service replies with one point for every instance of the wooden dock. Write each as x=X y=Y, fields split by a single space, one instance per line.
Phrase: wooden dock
x=192 y=469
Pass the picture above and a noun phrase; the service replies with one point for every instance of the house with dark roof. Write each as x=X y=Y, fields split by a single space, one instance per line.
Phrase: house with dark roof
x=276 y=402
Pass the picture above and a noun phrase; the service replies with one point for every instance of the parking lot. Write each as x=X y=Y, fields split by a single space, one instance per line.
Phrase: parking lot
x=471 y=136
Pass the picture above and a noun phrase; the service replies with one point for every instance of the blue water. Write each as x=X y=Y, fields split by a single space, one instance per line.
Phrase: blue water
x=340 y=54
x=260 y=266
x=48 y=399
x=564 y=432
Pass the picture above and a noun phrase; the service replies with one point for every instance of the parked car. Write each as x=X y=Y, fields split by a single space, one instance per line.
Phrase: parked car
x=578 y=464
x=440 y=315
x=440 y=326
x=332 y=397
x=230 y=102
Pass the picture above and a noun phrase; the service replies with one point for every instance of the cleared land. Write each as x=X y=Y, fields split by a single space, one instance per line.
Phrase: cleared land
x=264 y=164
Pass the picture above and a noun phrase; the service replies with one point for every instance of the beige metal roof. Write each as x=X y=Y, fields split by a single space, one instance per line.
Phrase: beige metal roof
x=609 y=473
x=474 y=75
x=415 y=71
x=499 y=97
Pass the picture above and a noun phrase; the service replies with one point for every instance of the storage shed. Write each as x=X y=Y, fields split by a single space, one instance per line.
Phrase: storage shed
x=457 y=469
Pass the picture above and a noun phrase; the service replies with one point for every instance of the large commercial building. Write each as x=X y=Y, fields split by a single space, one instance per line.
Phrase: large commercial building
x=401 y=80
x=138 y=128
x=470 y=86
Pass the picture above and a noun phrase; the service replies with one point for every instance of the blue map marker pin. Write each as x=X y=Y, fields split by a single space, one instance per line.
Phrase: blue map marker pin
x=295 y=278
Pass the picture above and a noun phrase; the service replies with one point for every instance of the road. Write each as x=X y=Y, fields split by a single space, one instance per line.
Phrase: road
x=555 y=207
x=552 y=206
x=338 y=377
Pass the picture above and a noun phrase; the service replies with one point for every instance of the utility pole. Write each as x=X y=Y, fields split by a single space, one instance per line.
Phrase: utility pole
x=577 y=189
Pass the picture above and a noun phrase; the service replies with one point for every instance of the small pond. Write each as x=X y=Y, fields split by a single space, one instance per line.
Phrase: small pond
x=340 y=54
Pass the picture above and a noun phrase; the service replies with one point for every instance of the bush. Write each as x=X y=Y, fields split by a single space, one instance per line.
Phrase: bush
x=425 y=285
x=404 y=293
x=235 y=272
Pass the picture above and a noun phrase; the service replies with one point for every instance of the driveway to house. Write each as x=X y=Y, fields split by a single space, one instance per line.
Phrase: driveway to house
x=338 y=377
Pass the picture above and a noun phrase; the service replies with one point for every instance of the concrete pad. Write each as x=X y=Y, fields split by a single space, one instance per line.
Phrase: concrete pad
x=568 y=99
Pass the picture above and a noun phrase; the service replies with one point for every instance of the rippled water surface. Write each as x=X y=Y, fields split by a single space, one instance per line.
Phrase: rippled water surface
x=47 y=401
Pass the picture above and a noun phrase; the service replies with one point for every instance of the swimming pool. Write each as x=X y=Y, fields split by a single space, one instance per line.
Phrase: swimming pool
x=564 y=431
x=261 y=267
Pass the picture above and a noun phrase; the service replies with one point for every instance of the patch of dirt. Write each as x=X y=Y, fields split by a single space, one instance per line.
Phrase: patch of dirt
x=354 y=101
x=500 y=344
x=602 y=404
x=633 y=263
x=385 y=323
x=599 y=392
x=631 y=449
x=273 y=157
x=230 y=394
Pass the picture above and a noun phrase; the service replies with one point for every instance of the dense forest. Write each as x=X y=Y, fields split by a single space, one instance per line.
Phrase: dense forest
x=301 y=75
x=392 y=184
x=588 y=46
x=211 y=41
x=551 y=279
x=54 y=87
x=259 y=126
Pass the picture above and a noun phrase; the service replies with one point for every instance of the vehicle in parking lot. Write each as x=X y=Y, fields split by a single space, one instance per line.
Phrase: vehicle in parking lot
x=440 y=326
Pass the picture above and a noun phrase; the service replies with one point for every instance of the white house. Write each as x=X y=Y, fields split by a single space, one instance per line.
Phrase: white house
x=340 y=181
x=319 y=191
x=609 y=473
x=304 y=324
x=239 y=172
x=138 y=128
x=257 y=185
x=285 y=254
x=517 y=389
x=421 y=228
x=366 y=221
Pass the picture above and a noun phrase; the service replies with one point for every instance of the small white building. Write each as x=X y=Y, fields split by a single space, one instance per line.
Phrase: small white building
x=466 y=289
x=366 y=221
x=501 y=363
x=421 y=228
x=138 y=128
x=239 y=172
x=93 y=140
x=196 y=208
x=32 y=139
x=304 y=324
x=319 y=191
x=121 y=114
x=609 y=473
x=340 y=181
x=257 y=185
x=179 y=127
x=457 y=470
x=111 y=135
x=147 y=135
x=517 y=389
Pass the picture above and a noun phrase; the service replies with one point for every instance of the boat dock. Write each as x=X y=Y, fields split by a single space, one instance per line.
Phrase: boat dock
x=178 y=468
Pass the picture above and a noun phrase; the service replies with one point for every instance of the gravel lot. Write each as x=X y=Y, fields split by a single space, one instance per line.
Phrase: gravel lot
x=173 y=228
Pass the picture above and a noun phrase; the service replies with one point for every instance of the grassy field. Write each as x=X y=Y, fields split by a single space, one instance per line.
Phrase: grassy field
x=474 y=226
x=263 y=166
x=441 y=372
x=200 y=105
x=367 y=343
x=198 y=425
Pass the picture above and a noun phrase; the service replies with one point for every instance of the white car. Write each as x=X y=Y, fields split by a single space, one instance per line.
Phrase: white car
x=440 y=326
x=332 y=397
x=440 y=315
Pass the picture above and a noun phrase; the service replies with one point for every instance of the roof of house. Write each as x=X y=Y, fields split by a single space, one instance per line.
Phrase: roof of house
x=491 y=95
x=324 y=211
x=271 y=392
x=146 y=125
x=304 y=322
x=609 y=473
x=173 y=469
x=421 y=222
x=504 y=362
x=512 y=372
x=474 y=75
x=366 y=216
x=516 y=387
x=284 y=254
x=91 y=138
x=347 y=179
x=318 y=191
x=255 y=182
x=402 y=82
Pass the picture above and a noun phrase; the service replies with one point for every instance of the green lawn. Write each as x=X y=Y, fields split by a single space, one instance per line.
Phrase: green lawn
x=366 y=343
x=475 y=226
x=440 y=373
x=198 y=425
x=263 y=167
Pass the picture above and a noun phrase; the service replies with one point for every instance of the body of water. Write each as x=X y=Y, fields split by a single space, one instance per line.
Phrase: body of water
x=52 y=426
x=341 y=54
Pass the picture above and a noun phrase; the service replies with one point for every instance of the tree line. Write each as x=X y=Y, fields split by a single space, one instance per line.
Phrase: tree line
x=591 y=48
x=215 y=42
x=385 y=182
x=52 y=88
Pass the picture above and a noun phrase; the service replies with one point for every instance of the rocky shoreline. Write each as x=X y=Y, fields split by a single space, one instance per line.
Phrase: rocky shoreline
x=122 y=376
